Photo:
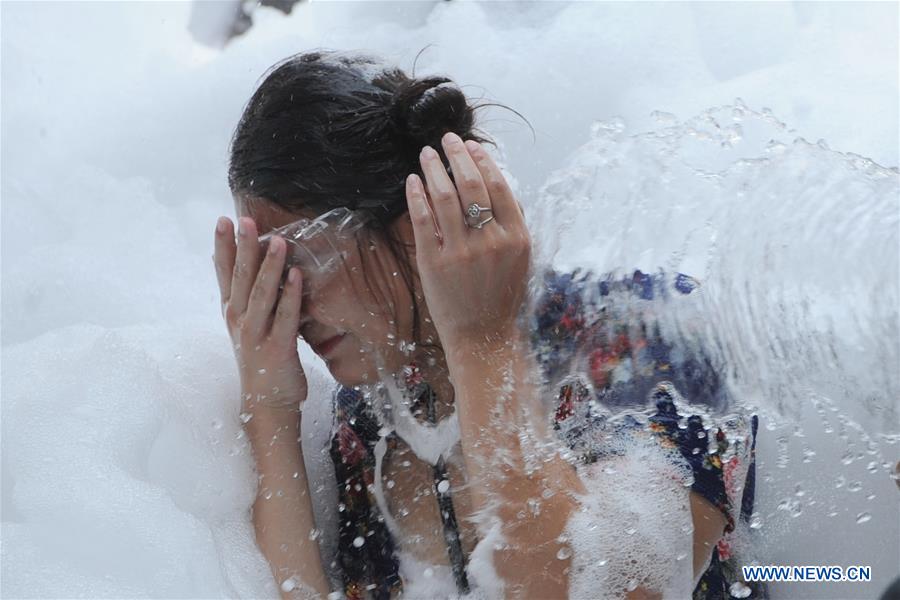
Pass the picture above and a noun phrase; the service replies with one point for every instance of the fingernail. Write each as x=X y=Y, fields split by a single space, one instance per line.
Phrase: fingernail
x=429 y=153
x=451 y=138
x=220 y=225
x=242 y=227
x=274 y=245
x=292 y=276
x=473 y=146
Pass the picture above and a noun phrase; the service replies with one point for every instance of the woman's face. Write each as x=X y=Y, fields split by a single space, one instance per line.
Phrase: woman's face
x=352 y=316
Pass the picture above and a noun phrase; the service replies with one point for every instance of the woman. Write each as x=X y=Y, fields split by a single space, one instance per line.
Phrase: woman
x=413 y=287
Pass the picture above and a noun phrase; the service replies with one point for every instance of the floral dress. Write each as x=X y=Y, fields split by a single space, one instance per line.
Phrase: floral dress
x=602 y=351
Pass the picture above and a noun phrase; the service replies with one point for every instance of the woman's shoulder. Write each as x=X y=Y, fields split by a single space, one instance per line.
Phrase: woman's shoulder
x=564 y=297
x=611 y=328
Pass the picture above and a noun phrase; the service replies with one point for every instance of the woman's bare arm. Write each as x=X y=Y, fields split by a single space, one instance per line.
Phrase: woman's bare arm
x=709 y=525
x=282 y=512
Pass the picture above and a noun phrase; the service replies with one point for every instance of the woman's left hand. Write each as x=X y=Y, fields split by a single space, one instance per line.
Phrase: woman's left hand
x=474 y=280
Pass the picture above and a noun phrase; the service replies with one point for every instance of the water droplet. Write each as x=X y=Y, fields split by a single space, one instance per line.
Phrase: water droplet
x=245 y=417
x=314 y=534
x=216 y=424
x=288 y=585
x=863 y=517
x=755 y=522
x=739 y=590
x=855 y=486
x=630 y=530
x=267 y=495
x=429 y=572
x=564 y=553
x=261 y=371
x=359 y=541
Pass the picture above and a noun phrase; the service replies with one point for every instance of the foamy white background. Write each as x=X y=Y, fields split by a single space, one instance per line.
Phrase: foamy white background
x=122 y=474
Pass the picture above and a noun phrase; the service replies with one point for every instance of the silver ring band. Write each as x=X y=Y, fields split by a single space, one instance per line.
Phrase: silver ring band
x=473 y=215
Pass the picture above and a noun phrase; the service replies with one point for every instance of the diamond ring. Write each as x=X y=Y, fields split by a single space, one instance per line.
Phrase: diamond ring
x=473 y=214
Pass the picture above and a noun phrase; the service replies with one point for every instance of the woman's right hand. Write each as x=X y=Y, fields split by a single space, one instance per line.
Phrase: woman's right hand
x=262 y=325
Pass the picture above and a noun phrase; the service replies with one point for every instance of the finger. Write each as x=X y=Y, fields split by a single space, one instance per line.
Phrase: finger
x=427 y=242
x=466 y=176
x=223 y=259
x=287 y=315
x=444 y=200
x=265 y=288
x=245 y=267
x=503 y=201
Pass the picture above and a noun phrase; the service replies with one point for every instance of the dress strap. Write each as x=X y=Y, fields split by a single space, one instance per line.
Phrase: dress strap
x=444 y=497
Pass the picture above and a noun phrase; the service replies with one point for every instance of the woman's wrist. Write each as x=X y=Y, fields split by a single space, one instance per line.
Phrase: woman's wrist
x=497 y=347
x=269 y=425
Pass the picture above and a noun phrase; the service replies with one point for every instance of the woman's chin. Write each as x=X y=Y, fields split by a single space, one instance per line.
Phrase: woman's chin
x=349 y=370
x=346 y=372
x=348 y=377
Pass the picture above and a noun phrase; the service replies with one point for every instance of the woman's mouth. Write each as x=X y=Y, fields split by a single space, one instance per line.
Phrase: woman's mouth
x=328 y=345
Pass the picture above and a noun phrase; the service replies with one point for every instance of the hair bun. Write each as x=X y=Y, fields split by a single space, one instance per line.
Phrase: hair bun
x=424 y=110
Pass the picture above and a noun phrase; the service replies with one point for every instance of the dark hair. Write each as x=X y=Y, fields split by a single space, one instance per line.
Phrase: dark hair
x=327 y=129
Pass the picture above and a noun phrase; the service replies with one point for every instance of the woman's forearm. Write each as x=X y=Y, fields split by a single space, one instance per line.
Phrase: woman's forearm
x=282 y=512
x=497 y=400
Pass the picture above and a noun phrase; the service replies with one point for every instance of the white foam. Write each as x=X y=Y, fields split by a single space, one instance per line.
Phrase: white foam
x=634 y=526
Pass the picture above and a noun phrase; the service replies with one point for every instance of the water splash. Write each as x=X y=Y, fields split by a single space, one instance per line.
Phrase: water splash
x=783 y=233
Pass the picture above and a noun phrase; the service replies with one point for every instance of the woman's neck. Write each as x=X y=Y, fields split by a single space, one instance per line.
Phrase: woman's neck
x=430 y=358
x=437 y=376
